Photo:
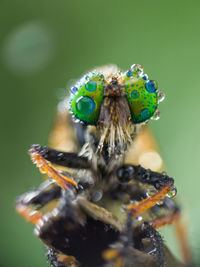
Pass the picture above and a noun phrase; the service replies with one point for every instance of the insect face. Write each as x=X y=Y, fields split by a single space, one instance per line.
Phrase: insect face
x=141 y=94
x=115 y=104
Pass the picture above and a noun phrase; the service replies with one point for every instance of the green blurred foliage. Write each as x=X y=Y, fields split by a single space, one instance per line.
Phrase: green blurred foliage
x=46 y=44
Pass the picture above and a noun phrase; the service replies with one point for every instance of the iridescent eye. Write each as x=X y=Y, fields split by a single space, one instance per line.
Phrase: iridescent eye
x=142 y=95
x=86 y=98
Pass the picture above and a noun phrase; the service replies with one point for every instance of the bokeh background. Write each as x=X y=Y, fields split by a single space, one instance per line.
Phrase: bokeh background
x=45 y=44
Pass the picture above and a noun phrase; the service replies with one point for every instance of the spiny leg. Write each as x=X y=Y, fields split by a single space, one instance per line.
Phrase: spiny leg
x=30 y=215
x=42 y=195
x=148 y=229
x=66 y=159
x=147 y=232
x=38 y=198
x=137 y=209
x=156 y=241
x=180 y=229
x=167 y=219
x=173 y=216
x=127 y=173
x=46 y=167
x=164 y=184
x=166 y=213
x=161 y=182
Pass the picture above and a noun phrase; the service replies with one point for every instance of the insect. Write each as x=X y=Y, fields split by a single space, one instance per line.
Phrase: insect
x=95 y=209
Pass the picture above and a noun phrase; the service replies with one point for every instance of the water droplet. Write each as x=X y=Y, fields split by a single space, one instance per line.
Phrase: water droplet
x=151 y=86
x=139 y=218
x=136 y=68
x=156 y=115
x=97 y=195
x=129 y=73
x=160 y=202
x=151 y=192
x=85 y=105
x=172 y=192
x=161 y=96
x=42 y=170
x=91 y=86
x=123 y=208
x=74 y=90
x=145 y=77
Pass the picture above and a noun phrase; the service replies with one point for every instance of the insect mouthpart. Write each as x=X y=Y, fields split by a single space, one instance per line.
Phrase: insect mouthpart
x=115 y=123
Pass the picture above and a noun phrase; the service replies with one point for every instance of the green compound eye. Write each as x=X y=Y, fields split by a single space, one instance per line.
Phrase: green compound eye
x=86 y=98
x=142 y=95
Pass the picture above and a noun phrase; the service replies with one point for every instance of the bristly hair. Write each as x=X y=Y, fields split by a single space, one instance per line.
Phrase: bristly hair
x=115 y=130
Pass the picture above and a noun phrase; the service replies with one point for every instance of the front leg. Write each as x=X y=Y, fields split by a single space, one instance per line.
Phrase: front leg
x=65 y=181
x=66 y=159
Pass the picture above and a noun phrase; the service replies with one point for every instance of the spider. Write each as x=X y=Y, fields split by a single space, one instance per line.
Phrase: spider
x=95 y=209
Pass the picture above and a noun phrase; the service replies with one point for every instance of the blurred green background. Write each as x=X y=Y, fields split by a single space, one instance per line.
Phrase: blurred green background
x=45 y=44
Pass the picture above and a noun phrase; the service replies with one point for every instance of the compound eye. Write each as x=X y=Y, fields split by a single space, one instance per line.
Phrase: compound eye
x=142 y=96
x=86 y=98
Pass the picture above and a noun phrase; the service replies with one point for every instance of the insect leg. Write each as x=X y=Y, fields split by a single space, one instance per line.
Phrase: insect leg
x=161 y=182
x=149 y=202
x=132 y=172
x=66 y=159
x=46 y=167
x=180 y=230
x=38 y=198
x=125 y=253
x=167 y=219
x=164 y=184
x=156 y=248
x=30 y=215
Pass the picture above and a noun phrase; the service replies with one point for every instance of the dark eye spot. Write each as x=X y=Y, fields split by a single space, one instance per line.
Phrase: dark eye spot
x=135 y=94
x=146 y=113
